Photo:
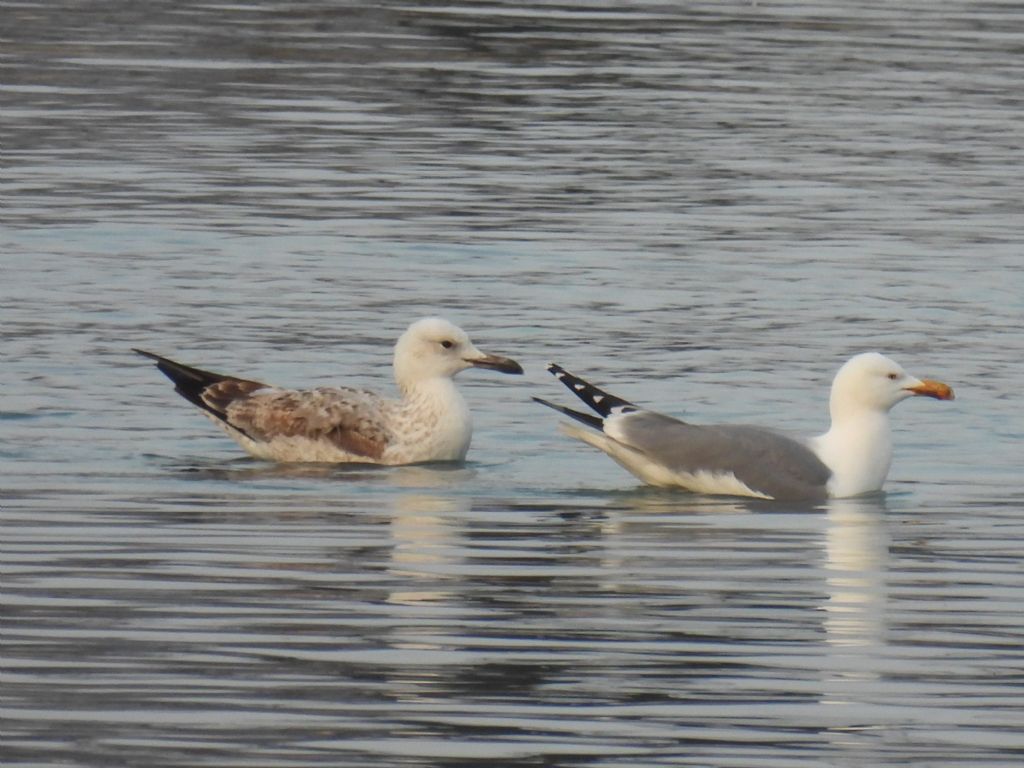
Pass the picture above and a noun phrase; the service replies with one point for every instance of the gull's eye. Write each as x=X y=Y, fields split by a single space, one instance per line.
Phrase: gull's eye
x=447 y=344
x=893 y=376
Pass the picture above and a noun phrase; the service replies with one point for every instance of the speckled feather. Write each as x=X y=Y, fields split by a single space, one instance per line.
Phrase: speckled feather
x=430 y=422
x=353 y=423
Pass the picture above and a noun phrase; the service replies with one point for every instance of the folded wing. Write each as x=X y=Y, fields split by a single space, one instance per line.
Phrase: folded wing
x=350 y=419
x=767 y=462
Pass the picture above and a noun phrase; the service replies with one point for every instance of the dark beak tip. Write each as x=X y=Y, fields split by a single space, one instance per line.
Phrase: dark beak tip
x=508 y=366
x=500 y=364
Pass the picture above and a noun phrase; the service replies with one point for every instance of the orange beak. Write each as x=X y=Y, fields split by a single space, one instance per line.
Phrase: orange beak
x=930 y=388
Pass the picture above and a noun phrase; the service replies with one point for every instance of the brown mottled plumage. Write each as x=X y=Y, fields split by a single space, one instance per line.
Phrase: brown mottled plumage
x=429 y=423
x=351 y=419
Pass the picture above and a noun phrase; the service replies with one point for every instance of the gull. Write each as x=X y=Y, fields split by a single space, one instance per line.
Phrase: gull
x=852 y=458
x=430 y=422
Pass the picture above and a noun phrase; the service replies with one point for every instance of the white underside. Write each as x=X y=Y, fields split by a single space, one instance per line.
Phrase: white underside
x=652 y=473
x=296 y=449
x=303 y=449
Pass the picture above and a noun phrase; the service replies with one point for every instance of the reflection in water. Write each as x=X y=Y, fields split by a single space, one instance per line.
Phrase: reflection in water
x=424 y=532
x=857 y=548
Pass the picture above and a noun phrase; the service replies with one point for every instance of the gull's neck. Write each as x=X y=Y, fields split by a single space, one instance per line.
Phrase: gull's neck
x=857 y=448
x=439 y=389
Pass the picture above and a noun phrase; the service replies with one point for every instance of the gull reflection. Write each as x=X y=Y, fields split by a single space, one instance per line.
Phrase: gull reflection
x=423 y=538
x=857 y=548
x=425 y=535
x=856 y=563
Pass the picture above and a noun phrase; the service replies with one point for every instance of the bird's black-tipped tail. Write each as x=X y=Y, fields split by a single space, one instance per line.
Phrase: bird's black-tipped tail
x=586 y=418
x=188 y=382
x=602 y=402
x=212 y=392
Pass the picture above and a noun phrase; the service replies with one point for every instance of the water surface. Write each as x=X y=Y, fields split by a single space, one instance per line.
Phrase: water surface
x=704 y=207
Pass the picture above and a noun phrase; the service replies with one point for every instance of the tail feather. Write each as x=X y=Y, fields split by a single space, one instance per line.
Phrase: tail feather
x=191 y=383
x=602 y=402
x=586 y=418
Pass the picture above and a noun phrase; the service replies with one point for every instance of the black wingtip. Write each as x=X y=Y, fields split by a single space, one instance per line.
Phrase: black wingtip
x=585 y=418
x=188 y=382
x=600 y=401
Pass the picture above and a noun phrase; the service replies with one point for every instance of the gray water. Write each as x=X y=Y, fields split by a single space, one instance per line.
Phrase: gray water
x=706 y=207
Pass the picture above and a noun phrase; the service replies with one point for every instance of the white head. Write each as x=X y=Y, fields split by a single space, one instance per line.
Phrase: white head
x=434 y=348
x=871 y=382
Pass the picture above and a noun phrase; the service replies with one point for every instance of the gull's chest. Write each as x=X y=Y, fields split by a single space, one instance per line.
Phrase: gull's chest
x=859 y=459
x=432 y=429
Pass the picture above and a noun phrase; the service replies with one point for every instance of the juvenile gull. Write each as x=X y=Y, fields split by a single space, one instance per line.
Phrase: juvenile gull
x=430 y=422
x=852 y=458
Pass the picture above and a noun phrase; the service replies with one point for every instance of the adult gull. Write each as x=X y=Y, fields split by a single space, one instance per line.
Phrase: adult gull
x=430 y=422
x=852 y=458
